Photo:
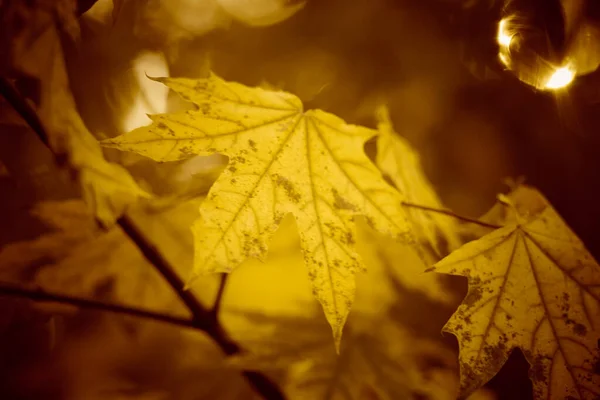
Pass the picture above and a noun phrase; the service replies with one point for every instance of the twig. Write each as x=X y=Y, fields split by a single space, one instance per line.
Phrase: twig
x=14 y=98
x=452 y=214
x=151 y=253
x=44 y=296
x=202 y=317
x=258 y=381
x=219 y=298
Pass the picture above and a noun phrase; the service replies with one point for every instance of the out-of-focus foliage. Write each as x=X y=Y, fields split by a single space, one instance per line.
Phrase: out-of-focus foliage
x=261 y=12
x=149 y=362
x=104 y=356
x=281 y=160
x=383 y=355
x=390 y=263
x=532 y=285
x=398 y=160
x=24 y=23
x=265 y=306
x=168 y=22
x=384 y=363
x=79 y=258
x=37 y=53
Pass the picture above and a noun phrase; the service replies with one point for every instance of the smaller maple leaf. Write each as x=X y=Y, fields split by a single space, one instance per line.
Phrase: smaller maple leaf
x=532 y=285
x=397 y=159
x=281 y=160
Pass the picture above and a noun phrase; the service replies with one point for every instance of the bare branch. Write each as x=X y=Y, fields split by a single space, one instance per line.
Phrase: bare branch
x=202 y=316
x=44 y=296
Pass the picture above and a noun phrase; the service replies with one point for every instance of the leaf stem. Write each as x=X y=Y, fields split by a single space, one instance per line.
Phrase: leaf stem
x=451 y=214
x=202 y=317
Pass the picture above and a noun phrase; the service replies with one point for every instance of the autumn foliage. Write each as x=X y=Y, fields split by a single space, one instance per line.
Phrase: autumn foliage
x=332 y=234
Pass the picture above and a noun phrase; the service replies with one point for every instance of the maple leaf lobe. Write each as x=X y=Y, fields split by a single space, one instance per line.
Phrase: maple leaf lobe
x=532 y=285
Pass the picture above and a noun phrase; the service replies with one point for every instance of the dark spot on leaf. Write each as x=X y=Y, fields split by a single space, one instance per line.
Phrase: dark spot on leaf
x=162 y=125
x=565 y=306
x=579 y=329
x=473 y=296
x=341 y=203
x=538 y=372
x=232 y=168
x=186 y=151
x=288 y=186
x=467 y=337
x=277 y=218
x=252 y=145
x=349 y=238
x=471 y=377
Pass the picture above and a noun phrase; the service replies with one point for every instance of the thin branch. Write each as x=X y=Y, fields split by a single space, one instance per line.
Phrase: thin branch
x=14 y=98
x=44 y=296
x=452 y=214
x=258 y=381
x=151 y=253
x=202 y=316
x=219 y=298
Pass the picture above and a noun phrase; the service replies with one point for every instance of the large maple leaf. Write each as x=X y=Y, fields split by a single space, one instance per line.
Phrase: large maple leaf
x=281 y=160
x=533 y=285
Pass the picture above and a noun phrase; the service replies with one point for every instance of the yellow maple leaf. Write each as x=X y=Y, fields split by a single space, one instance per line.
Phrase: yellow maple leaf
x=533 y=285
x=281 y=160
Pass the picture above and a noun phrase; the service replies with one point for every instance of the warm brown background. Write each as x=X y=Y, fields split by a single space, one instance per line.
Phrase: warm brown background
x=426 y=59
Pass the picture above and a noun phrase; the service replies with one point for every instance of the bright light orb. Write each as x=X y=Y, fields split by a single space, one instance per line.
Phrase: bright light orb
x=561 y=78
x=503 y=38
